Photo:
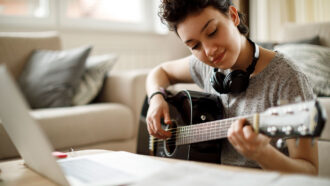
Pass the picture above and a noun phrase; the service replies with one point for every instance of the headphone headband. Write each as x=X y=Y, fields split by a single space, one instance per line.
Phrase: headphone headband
x=252 y=66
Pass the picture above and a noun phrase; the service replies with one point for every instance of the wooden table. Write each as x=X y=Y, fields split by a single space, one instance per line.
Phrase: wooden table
x=14 y=172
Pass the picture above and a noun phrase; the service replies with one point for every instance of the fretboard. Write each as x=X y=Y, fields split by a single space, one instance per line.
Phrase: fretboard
x=206 y=131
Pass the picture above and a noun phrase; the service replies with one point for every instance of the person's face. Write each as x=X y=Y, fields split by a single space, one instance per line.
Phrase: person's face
x=212 y=36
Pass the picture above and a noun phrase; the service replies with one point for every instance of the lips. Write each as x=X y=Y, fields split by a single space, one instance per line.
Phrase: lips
x=219 y=58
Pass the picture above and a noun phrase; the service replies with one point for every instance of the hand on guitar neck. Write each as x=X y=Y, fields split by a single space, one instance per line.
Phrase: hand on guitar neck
x=246 y=141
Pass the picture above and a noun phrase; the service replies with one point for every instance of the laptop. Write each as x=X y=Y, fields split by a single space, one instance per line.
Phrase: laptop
x=111 y=168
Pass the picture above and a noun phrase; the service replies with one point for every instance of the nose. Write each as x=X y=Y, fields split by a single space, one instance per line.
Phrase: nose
x=210 y=51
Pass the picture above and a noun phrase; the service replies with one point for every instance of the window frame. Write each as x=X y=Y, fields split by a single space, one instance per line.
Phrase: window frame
x=57 y=19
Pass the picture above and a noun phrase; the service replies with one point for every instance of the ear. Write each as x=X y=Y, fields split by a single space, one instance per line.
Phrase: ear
x=234 y=15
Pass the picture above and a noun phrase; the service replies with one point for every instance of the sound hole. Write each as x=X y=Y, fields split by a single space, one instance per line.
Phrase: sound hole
x=169 y=144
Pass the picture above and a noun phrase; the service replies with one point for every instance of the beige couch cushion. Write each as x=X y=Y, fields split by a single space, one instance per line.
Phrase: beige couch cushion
x=87 y=124
x=79 y=126
x=15 y=48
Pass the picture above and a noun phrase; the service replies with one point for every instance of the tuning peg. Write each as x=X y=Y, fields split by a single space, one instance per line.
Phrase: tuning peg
x=272 y=130
x=303 y=130
x=280 y=143
x=287 y=130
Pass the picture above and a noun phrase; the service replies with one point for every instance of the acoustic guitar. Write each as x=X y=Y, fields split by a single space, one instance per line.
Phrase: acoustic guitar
x=198 y=126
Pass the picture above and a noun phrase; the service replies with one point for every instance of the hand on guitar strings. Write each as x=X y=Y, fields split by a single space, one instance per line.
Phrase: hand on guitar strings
x=158 y=109
x=246 y=141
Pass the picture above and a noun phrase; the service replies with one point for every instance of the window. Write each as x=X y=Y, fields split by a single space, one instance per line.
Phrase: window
x=27 y=8
x=107 y=10
x=26 y=12
x=123 y=15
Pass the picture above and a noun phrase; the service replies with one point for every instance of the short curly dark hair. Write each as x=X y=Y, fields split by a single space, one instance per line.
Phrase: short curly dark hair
x=172 y=12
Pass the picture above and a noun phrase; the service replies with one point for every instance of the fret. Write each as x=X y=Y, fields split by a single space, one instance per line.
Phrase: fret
x=206 y=131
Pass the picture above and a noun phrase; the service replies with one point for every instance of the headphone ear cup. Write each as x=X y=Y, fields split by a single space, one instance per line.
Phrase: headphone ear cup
x=237 y=81
x=217 y=82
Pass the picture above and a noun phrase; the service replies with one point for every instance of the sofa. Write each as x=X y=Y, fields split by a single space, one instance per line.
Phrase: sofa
x=110 y=122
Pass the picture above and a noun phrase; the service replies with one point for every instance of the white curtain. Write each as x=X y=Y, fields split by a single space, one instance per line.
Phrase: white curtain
x=268 y=16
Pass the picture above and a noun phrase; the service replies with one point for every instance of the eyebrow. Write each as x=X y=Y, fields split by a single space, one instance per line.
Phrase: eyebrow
x=204 y=27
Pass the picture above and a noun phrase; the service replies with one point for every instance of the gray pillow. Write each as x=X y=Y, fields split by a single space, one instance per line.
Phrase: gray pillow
x=92 y=80
x=50 y=78
x=314 y=61
x=270 y=45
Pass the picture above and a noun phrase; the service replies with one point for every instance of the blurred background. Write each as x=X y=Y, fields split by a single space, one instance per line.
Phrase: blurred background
x=131 y=28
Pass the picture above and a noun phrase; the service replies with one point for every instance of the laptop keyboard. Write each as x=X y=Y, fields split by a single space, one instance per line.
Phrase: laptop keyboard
x=90 y=171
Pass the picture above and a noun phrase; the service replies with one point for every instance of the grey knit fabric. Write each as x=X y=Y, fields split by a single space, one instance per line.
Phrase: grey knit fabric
x=280 y=80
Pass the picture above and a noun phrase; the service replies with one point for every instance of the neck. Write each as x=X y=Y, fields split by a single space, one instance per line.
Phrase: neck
x=246 y=55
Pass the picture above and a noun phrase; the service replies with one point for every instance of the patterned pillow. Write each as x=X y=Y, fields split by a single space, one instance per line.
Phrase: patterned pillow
x=92 y=80
x=314 y=61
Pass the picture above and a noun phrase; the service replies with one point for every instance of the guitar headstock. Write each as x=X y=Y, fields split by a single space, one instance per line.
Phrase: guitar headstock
x=293 y=120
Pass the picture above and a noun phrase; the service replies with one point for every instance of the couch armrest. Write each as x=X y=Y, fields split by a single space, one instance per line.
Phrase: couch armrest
x=128 y=88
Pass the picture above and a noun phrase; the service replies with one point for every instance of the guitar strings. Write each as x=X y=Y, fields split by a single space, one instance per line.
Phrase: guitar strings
x=198 y=131
x=188 y=139
x=225 y=121
x=194 y=131
x=212 y=124
x=211 y=131
x=215 y=134
x=170 y=143
x=197 y=127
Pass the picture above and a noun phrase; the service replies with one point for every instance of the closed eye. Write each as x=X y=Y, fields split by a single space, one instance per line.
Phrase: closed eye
x=213 y=33
x=195 y=46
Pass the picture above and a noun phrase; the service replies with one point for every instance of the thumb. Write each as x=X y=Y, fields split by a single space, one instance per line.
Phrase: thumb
x=167 y=117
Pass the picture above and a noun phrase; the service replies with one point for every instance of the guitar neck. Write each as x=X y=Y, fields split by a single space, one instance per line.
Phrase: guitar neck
x=206 y=131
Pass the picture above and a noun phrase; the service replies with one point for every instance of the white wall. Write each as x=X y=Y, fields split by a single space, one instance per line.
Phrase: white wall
x=135 y=50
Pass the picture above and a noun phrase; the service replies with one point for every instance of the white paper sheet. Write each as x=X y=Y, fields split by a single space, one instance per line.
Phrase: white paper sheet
x=189 y=174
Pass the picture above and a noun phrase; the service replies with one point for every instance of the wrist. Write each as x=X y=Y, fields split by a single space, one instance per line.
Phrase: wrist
x=263 y=154
x=160 y=92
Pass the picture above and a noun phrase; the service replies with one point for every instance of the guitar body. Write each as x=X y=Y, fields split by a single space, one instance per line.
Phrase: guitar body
x=189 y=108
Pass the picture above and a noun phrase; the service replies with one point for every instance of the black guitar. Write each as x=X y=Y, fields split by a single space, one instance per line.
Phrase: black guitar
x=197 y=125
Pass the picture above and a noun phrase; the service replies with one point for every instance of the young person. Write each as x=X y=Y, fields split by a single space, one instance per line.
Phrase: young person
x=214 y=32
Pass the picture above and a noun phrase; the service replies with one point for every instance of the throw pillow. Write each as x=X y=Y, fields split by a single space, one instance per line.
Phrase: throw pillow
x=50 y=78
x=314 y=61
x=96 y=70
